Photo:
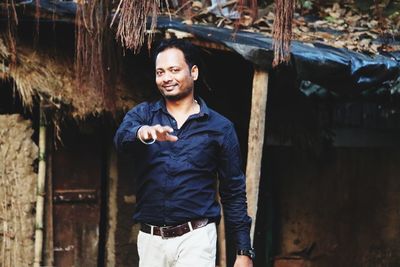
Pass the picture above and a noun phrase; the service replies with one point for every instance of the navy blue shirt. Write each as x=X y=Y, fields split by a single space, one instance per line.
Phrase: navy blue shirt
x=177 y=180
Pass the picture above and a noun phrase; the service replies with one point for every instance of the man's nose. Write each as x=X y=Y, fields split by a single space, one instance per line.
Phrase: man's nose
x=167 y=77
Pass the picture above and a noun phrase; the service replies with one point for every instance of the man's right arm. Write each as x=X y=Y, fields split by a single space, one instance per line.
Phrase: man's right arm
x=134 y=130
x=125 y=138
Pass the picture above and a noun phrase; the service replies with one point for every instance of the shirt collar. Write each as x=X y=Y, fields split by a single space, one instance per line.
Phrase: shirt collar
x=160 y=105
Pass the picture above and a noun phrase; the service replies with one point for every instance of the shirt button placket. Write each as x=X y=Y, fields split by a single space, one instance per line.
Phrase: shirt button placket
x=174 y=124
x=166 y=197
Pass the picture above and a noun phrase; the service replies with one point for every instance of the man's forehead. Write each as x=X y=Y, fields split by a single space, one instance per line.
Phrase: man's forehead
x=170 y=50
x=170 y=56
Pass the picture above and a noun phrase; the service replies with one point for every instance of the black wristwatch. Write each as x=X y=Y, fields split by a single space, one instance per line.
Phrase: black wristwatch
x=247 y=252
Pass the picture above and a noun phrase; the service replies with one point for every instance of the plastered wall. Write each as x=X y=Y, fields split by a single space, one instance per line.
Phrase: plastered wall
x=17 y=191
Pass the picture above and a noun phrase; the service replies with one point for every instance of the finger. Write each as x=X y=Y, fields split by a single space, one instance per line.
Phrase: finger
x=153 y=133
x=163 y=129
x=168 y=129
x=159 y=128
x=171 y=138
x=159 y=131
x=144 y=133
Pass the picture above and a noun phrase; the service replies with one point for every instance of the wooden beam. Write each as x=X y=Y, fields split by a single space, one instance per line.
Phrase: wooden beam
x=256 y=142
x=210 y=45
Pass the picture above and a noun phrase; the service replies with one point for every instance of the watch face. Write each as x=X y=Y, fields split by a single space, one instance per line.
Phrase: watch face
x=252 y=254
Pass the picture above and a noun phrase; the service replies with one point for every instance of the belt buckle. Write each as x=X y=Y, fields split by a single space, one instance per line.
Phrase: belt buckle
x=162 y=231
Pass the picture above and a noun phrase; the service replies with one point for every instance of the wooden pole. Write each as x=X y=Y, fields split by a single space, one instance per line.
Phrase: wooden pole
x=112 y=206
x=40 y=193
x=221 y=240
x=49 y=234
x=255 y=142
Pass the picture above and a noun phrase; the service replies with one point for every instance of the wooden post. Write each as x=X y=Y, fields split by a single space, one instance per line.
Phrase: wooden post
x=112 y=206
x=49 y=235
x=221 y=241
x=255 y=142
x=40 y=191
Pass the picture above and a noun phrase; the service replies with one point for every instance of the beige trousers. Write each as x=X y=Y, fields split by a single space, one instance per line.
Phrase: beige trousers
x=194 y=249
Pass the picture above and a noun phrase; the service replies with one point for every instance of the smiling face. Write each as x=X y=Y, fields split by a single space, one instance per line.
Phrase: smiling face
x=174 y=78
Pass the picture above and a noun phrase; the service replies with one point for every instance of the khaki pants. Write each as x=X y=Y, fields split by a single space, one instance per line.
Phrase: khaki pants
x=194 y=249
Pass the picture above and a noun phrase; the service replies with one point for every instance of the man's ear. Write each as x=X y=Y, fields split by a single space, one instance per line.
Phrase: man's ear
x=194 y=72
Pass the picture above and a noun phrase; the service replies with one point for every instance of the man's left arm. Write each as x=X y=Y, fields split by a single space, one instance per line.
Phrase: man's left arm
x=232 y=189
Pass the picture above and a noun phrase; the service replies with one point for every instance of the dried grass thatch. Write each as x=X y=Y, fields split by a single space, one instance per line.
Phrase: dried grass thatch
x=38 y=74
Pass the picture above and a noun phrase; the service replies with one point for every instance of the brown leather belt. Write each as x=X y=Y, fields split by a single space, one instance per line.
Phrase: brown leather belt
x=173 y=231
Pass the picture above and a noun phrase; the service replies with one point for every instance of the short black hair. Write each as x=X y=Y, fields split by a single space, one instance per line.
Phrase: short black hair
x=190 y=51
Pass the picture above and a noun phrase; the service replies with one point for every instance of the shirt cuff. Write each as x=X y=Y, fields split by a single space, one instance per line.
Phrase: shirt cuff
x=243 y=240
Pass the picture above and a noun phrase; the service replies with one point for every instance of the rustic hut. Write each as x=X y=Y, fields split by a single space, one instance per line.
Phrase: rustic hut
x=79 y=128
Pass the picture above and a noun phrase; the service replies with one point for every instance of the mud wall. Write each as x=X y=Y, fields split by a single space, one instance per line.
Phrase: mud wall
x=17 y=191
x=346 y=201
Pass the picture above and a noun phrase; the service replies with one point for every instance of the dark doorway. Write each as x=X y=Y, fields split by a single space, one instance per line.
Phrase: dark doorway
x=78 y=198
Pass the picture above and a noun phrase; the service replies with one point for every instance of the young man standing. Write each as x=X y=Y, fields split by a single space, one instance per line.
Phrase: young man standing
x=181 y=147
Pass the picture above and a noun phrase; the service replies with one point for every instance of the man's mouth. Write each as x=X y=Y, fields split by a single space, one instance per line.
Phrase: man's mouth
x=169 y=87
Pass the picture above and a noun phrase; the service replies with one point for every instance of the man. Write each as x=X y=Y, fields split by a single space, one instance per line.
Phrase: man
x=181 y=148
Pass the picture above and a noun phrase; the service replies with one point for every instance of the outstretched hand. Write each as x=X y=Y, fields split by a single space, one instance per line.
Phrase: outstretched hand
x=157 y=132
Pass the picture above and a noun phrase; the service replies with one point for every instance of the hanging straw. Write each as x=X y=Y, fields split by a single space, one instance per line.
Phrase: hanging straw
x=94 y=65
x=132 y=22
x=12 y=22
x=282 y=31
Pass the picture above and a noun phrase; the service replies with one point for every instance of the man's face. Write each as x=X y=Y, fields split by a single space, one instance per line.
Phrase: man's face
x=174 y=78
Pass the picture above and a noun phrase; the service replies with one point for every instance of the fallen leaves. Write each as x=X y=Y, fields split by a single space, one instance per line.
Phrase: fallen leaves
x=341 y=26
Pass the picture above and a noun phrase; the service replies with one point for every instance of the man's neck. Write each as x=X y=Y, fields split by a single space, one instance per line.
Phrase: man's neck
x=182 y=109
x=182 y=106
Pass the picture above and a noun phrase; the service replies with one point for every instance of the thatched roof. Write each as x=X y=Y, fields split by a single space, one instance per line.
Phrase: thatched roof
x=38 y=74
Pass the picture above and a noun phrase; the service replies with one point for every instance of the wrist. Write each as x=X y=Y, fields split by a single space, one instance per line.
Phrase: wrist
x=243 y=261
x=144 y=141
x=250 y=253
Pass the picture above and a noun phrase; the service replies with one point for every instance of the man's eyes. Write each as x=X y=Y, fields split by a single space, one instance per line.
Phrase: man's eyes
x=160 y=73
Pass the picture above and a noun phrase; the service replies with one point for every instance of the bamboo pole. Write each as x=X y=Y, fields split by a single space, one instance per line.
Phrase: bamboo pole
x=40 y=193
x=255 y=142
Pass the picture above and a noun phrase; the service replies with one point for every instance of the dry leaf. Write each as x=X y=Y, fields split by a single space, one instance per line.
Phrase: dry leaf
x=246 y=21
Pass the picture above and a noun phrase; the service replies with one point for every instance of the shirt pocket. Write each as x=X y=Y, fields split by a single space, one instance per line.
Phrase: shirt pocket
x=200 y=151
